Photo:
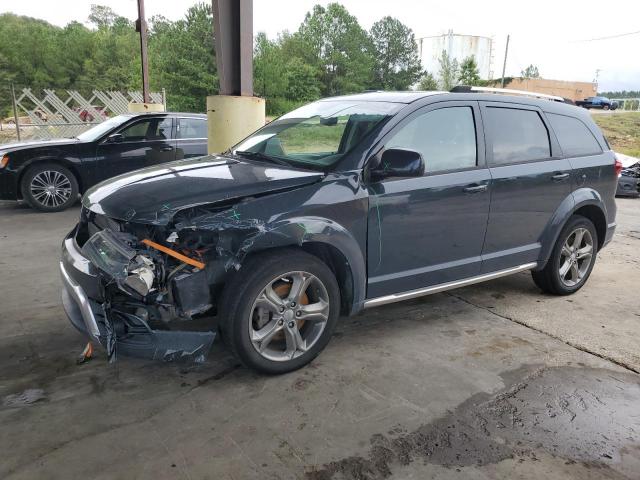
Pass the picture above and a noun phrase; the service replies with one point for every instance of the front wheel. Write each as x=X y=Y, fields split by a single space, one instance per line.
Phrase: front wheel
x=49 y=188
x=280 y=310
x=572 y=258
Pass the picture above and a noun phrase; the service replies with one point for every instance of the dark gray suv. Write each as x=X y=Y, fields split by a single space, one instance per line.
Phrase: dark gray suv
x=344 y=204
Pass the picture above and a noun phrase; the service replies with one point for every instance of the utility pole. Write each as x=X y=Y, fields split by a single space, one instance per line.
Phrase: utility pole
x=595 y=80
x=15 y=110
x=504 y=65
x=141 y=26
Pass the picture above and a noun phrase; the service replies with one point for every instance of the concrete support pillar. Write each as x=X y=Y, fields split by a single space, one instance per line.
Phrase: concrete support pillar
x=232 y=118
x=145 y=107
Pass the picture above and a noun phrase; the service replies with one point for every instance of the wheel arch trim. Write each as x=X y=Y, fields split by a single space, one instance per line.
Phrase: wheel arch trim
x=574 y=203
x=316 y=235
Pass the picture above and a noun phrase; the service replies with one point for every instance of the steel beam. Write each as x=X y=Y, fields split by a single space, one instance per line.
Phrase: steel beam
x=233 y=30
x=141 y=26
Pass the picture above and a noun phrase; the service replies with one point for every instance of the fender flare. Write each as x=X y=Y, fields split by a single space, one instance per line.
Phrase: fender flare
x=298 y=231
x=573 y=202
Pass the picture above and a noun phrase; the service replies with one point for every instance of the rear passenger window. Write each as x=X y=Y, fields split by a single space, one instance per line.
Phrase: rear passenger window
x=192 y=128
x=517 y=135
x=446 y=138
x=574 y=136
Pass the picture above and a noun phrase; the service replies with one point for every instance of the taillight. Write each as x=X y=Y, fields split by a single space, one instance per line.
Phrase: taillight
x=618 y=167
x=4 y=161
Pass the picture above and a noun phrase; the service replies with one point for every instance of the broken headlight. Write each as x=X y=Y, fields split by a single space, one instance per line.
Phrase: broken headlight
x=114 y=255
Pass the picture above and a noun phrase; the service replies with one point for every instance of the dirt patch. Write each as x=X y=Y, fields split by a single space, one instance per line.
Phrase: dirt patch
x=581 y=414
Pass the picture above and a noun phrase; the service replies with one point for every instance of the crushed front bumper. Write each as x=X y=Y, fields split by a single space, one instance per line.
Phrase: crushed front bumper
x=628 y=186
x=83 y=302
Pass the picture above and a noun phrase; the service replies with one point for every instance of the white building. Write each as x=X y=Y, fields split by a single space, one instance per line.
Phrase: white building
x=458 y=47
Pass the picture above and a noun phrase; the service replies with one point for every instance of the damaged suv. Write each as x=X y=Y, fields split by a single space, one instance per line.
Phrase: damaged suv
x=343 y=204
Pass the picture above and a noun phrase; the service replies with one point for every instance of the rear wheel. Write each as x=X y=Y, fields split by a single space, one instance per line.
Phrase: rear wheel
x=572 y=258
x=280 y=310
x=49 y=188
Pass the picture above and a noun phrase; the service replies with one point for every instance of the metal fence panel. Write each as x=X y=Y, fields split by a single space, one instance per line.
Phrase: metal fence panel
x=68 y=113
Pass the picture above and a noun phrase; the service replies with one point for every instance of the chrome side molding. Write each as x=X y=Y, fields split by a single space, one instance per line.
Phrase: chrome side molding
x=398 y=297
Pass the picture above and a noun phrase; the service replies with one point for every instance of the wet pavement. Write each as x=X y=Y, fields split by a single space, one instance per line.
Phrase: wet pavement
x=491 y=381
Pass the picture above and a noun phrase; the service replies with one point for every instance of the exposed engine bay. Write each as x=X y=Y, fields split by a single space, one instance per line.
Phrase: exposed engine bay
x=154 y=279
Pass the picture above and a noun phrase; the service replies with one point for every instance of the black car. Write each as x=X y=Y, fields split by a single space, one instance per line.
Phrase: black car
x=597 y=102
x=49 y=175
x=344 y=204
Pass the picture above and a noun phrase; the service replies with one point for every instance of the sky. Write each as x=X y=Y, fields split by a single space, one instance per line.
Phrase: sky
x=555 y=35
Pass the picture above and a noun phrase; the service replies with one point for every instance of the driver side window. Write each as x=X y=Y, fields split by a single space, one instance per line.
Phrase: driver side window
x=148 y=129
x=446 y=138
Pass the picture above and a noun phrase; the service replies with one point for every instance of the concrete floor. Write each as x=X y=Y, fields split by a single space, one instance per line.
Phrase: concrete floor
x=491 y=381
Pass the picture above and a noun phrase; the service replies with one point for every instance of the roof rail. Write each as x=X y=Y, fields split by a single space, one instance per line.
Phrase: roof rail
x=505 y=91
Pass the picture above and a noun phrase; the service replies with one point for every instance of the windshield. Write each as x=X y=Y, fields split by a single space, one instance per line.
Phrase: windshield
x=96 y=132
x=317 y=135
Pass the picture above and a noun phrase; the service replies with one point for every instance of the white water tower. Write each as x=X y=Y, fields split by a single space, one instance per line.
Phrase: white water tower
x=458 y=47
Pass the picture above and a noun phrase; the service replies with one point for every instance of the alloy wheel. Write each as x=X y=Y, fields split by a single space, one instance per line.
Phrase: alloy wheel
x=576 y=256
x=50 y=188
x=288 y=316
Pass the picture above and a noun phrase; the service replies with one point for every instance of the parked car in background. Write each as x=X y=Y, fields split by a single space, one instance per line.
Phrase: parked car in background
x=629 y=179
x=597 y=102
x=49 y=175
x=343 y=204
x=87 y=115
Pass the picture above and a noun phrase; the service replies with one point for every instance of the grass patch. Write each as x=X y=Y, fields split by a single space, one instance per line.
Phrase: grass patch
x=312 y=138
x=622 y=130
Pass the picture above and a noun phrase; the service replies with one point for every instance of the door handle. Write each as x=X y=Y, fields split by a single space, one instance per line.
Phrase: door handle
x=166 y=149
x=475 y=188
x=560 y=176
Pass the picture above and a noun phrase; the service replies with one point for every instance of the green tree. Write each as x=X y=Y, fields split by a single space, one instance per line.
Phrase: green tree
x=530 y=72
x=115 y=60
x=428 y=82
x=102 y=16
x=302 y=85
x=396 y=62
x=449 y=71
x=469 y=73
x=182 y=59
x=269 y=79
x=76 y=41
x=332 y=41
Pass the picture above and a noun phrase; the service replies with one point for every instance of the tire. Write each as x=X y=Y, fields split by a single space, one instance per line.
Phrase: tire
x=550 y=279
x=260 y=328
x=605 y=107
x=49 y=187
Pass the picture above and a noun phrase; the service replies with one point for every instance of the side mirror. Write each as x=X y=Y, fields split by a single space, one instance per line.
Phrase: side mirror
x=115 y=138
x=399 y=162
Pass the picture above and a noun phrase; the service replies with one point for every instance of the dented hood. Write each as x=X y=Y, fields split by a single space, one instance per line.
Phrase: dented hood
x=153 y=195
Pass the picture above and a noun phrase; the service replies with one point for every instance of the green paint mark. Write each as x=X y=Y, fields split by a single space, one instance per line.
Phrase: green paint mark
x=235 y=215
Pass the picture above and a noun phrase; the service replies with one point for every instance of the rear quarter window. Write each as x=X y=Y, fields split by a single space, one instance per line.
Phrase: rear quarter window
x=574 y=137
x=517 y=135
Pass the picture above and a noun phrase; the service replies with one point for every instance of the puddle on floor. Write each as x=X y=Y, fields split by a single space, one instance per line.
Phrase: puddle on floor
x=584 y=415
